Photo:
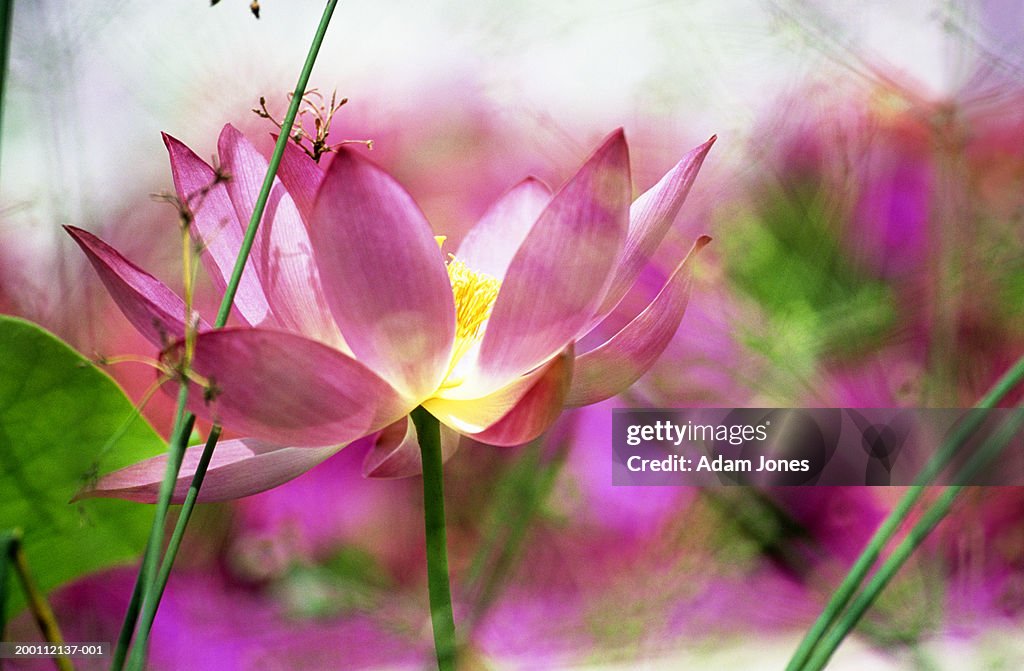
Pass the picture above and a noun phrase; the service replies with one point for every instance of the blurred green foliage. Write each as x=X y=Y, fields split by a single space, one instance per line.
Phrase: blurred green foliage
x=786 y=254
x=350 y=580
x=62 y=422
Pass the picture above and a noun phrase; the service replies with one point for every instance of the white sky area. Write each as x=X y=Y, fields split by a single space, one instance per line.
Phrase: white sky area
x=93 y=84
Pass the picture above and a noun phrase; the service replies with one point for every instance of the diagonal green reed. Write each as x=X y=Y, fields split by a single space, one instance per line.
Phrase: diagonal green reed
x=932 y=516
x=844 y=593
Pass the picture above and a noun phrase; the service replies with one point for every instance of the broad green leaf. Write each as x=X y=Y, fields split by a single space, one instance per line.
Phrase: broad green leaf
x=62 y=422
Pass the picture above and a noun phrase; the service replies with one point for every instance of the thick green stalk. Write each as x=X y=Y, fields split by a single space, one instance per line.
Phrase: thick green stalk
x=823 y=651
x=151 y=578
x=891 y=524
x=438 y=586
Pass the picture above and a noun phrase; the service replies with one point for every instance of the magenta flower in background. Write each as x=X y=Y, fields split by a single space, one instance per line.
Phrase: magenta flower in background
x=359 y=318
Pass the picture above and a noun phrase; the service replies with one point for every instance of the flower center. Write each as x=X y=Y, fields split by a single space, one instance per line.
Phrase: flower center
x=475 y=294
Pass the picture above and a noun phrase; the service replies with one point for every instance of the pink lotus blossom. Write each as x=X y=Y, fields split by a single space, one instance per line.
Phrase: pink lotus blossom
x=354 y=314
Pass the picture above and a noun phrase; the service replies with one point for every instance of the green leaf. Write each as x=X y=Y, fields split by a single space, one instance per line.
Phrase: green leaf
x=62 y=422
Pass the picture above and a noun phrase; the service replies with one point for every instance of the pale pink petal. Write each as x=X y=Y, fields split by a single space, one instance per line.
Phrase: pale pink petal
x=287 y=389
x=492 y=242
x=650 y=217
x=396 y=451
x=238 y=468
x=474 y=417
x=153 y=309
x=281 y=254
x=216 y=226
x=557 y=277
x=619 y=362
x=302 y=176
x=537 y=410
x=383 y=274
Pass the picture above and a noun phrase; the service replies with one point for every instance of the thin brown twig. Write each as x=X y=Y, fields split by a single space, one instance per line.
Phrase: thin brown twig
x=37 y=602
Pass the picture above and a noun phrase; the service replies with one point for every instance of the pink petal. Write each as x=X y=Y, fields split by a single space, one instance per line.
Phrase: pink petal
x=557 y=277
x=613 y=366
x=473 y=416
x=302 y=176
x=384 y=274
x=490 y=245
x=396 y=451
x=153 y=309
x=281 y=254
x=238 y=468
x=287 y=389
x=650 y=217
x=216 y=226
x=537 y=410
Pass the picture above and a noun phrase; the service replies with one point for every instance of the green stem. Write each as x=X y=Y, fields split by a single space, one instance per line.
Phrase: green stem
x=429 y=431
x=151 y=578
x=889 y=526
x=826 y=648
x=145 y=581
x=6 y=21
x=275 y=161
x=37 y=602
x=187 y=506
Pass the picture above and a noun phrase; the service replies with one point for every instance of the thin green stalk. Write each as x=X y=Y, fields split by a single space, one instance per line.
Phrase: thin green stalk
x=275 y=161
x=891 y=524
x=6 y=21
x=183 y=423
x=37 y=603
x=182 y=427
x=429 y=431
x=151 y=578
x=187 y=506
x=823 y=651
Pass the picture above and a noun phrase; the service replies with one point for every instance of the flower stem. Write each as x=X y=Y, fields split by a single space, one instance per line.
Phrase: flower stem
x=826 y=648
x=10 y=545
x=844 y=593
x=429 y=431
x=149 y=578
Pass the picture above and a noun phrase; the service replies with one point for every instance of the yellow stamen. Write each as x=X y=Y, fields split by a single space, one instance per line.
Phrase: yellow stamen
x=475 y=294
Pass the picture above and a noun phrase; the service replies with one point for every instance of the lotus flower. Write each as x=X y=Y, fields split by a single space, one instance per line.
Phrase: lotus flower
x=354 y=315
